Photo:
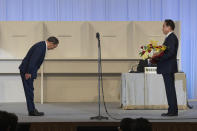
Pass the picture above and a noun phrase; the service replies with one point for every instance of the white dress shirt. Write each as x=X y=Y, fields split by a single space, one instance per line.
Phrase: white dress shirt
x=46 y=48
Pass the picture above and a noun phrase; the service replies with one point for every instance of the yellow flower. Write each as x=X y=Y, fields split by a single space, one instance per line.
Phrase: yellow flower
x=145 y=56
x=157 y=49
x=153 y=42
x=163 y=48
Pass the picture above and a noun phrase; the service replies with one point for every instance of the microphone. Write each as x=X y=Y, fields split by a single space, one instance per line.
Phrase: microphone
x=98 y=35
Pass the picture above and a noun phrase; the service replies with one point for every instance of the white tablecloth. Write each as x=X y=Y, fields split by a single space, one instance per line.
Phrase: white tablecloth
x=147 y=91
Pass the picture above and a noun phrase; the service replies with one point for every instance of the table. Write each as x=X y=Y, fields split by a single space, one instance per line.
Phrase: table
x=147 y=91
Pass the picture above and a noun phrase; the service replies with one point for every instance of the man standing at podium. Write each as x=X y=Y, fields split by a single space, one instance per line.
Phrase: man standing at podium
x=29 y=67
x=167 y=66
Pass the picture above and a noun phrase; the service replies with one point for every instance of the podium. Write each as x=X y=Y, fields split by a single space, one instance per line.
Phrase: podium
x=147 y=91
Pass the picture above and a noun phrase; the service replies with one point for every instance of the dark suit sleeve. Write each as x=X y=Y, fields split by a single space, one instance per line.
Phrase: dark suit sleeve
x=36 y=55
x=170 y=51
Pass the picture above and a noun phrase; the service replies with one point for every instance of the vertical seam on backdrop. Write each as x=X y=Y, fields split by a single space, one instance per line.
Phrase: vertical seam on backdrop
x=5 y=10
x=151 y=16
x=191 y=63
x=161 y=10
x=72 y=10
x=57 y=12
x=138 y=10
x=105 y=10
x=21 y=4
x=127 y=19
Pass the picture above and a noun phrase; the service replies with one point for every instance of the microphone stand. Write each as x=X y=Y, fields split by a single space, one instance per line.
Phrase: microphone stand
x=99 y=116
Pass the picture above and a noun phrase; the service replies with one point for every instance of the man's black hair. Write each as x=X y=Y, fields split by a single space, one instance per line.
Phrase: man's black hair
x=53 y=39
x=141 y=124
x=125 y=124
x=8 y=121
x=170 y=23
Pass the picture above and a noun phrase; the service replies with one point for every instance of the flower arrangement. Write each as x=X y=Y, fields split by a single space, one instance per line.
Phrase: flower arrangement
x=148 y=51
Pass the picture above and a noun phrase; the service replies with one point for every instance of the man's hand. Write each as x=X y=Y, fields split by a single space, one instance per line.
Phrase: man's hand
x=27 y=76
x=152 y=61
x=156 y=54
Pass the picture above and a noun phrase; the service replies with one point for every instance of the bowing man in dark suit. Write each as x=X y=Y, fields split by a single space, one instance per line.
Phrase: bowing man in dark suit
x=29 y=67
x=167 y=66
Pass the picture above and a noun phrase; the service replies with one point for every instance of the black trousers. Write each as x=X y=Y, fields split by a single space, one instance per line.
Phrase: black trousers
x=169 y=82
x=29 y=92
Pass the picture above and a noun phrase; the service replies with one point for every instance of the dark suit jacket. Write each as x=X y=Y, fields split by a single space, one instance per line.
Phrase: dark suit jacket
x=33 y=60
x=168 y=62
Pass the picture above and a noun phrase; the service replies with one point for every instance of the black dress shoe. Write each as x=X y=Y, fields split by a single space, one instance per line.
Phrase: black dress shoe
x=36 y=113
x=169 y=114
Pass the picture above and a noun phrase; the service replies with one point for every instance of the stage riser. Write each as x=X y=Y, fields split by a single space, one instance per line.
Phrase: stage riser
x=105 y=126
x=171 y=126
